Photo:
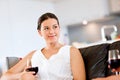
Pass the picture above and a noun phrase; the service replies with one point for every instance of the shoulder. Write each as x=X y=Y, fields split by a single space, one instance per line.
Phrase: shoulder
x=74 y=52
x=30 y=54
x=72 y=49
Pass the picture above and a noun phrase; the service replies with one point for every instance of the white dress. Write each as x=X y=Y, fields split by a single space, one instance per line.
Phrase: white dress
x=57 y=67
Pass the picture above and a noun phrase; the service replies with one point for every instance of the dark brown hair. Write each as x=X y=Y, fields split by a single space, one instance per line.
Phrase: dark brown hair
x=44 y=17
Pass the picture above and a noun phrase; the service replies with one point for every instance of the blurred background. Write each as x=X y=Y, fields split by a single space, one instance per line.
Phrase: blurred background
x=81 y=21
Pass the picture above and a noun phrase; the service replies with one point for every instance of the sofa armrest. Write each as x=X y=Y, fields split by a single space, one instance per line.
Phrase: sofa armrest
x=11 y=61
x=7 y=62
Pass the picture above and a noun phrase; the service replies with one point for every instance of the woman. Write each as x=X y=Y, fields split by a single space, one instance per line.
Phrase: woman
x=55 y=61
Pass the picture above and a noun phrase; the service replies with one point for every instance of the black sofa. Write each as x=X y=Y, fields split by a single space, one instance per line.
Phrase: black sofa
x=95 y=58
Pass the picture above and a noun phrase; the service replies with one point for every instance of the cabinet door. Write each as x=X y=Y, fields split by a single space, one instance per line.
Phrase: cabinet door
x=114 y=6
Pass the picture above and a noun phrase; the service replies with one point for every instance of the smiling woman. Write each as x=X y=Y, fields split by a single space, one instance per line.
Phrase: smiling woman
x=55 y=61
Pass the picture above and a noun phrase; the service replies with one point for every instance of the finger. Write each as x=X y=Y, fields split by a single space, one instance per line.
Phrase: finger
x=113 y=70
x=36 y=76
x=27 y=68
x=31 y=72
x=108 y=66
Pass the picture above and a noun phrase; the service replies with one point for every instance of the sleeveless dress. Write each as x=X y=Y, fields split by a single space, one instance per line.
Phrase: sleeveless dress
x=57 y=67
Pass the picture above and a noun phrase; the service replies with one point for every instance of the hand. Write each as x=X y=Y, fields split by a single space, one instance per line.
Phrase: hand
x=114 y=70
x=28 y=76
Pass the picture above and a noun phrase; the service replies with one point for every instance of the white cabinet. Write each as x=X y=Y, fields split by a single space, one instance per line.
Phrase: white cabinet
x=114 y=6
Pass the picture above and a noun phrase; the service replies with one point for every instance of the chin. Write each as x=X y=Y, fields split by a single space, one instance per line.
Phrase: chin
x=53 y=41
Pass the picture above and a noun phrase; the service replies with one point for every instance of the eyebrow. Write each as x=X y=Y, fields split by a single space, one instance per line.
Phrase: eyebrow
x=55 y=24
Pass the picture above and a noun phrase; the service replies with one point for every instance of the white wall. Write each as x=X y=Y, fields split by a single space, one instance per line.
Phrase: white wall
x=18 y=26
x=75 y=11
x=18 y=21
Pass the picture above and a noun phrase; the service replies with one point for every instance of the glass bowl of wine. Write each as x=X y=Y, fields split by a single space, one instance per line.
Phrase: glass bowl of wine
x=114 y=59
x=35 y=69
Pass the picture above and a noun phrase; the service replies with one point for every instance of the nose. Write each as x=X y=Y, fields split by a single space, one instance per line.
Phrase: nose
x=51 y=31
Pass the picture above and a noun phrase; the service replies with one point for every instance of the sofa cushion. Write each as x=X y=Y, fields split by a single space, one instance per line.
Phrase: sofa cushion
x=115 y=45
x=95 y=59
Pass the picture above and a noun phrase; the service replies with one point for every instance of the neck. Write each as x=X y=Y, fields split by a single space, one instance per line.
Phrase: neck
x=53 y=45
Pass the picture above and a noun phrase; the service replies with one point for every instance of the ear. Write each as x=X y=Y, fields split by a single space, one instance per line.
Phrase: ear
x=39 y=32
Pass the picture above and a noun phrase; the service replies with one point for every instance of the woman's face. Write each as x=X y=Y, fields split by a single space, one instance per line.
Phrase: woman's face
x=50 y=30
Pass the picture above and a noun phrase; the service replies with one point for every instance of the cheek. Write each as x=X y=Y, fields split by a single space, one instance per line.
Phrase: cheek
x=42 y=34
x=45 y=34
x=58 y=32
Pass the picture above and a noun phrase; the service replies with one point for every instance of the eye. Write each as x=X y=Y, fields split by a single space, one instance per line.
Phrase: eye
x=46 y=28
x=55 y=26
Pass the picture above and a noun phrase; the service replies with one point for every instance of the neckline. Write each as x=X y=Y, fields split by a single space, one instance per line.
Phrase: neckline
x=51 y=55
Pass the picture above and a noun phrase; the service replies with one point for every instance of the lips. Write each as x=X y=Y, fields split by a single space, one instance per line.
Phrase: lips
x=51 y=35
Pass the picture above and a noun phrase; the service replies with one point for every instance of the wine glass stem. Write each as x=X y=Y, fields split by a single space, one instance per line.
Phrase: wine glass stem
x=116 y=73
x=28 y=62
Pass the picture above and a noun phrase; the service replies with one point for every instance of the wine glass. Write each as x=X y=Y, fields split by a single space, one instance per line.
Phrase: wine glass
x=35 y=69
x=114 y=59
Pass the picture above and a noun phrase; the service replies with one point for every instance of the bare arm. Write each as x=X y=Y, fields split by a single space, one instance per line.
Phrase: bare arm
x=15 y=72
x=77 y=65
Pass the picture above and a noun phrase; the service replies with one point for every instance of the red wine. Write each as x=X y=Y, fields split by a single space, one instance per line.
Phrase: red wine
x=114 y=63
x=35 y=69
